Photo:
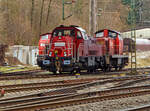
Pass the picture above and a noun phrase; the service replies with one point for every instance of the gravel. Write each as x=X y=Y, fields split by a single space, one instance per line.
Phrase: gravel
x=24 y=81
x=97 y=87
x=110 y=105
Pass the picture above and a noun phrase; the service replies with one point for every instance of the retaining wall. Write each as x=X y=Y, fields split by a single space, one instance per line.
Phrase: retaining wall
x=25 y=54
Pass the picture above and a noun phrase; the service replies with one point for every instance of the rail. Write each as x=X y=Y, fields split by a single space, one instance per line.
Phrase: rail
x=78 y=99
x=142 y=108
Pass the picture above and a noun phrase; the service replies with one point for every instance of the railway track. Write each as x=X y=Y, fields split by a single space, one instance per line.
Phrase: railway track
x=34 y=74
x=132 y=82
x=73 y=99
x=71 y=85
x=46 y=85
x=31 y=76
x=69 y=91
x=142 y=108
x=64 y=92
x=21 y=72
x=75 y=85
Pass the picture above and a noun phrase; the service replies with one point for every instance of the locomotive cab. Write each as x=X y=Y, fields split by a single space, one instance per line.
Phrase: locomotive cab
x=64 y=48
x=112 y=44
x=106 y=38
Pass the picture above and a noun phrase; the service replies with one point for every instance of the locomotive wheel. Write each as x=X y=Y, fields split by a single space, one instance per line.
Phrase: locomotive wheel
x=54 y=72
x=106 y=69
x=91 y=70
x=109 y=69
x=42 y=68
x=78 y=70
x=72 y=72
x=116 y=68
x=60 y=72
x=120 y=68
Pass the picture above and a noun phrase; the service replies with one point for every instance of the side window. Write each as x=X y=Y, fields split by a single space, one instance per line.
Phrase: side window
x=112 y=35
x=44 y=37
x=100 y=34
x=79 y=36
x=85 y=37
x=120 y=38
x=55 y=34
x=72 y=33
x=59 y=33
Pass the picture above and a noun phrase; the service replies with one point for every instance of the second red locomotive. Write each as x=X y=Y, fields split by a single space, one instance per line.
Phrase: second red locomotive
x=43 y=46
x=112 y=49
x=72 y=50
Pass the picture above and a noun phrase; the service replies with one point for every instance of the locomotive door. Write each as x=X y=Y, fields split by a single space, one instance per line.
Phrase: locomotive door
x=78 y=41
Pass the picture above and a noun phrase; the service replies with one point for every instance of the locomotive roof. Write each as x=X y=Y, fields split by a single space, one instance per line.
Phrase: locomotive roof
x=79 y=28
x=45 y=34
x=108 y=30
x=74 y=26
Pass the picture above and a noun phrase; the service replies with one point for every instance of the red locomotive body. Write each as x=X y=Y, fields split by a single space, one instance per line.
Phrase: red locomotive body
x=112 y=49
x=44 y=40
x=43 y=44
x=72 y=50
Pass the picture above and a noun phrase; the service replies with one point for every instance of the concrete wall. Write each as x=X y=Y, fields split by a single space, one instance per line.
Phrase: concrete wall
x=25 y=54
x=142 y=33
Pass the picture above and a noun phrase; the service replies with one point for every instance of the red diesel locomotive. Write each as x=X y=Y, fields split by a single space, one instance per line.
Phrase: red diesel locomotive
x=112 y=49
x=70 y=49
x=43 y=46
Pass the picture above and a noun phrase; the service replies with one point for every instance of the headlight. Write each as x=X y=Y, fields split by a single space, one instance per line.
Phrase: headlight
x=65 y=54
x=50 y=54
x=42 y=44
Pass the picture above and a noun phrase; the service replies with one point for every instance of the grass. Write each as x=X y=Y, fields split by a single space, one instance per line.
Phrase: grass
x=141 y=61
x=7 y=69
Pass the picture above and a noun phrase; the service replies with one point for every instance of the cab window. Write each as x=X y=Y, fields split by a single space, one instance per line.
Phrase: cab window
x=79 y=36
x=64 y=32
x=119 y=36
x=100 y=34
x=59 y=33
x=112 y=34
x=85 y=37
x=44 y=37
x=72 y=33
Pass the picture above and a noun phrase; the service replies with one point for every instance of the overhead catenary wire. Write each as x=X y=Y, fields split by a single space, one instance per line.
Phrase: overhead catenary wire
x=107 y=12
x=71 y=9
x=104 y=12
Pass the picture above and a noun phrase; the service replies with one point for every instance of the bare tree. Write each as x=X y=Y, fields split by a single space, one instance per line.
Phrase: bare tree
x=41 y=15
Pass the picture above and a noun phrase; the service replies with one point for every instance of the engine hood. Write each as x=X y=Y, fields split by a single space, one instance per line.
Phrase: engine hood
x=61 y=45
